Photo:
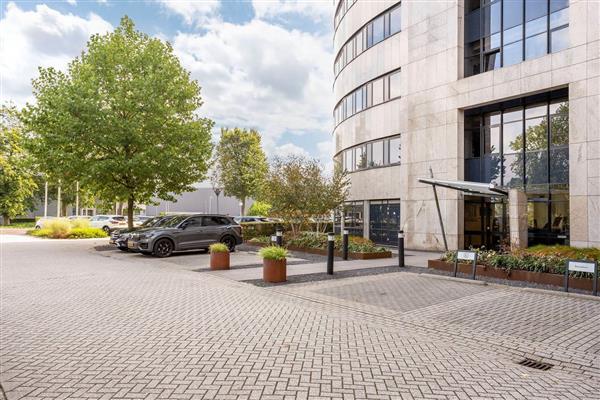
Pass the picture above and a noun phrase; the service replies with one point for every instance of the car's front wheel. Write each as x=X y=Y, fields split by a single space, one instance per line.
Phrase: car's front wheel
x=123 y=248
x=106 y=229
x=229 y=241
x=163 y=248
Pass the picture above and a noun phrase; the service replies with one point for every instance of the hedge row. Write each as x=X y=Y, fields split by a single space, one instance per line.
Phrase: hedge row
x=251 y=230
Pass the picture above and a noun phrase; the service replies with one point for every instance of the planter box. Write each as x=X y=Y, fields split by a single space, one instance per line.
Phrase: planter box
x=542 y=278
x=323 y=252
x=219 y=261
x=274 y=271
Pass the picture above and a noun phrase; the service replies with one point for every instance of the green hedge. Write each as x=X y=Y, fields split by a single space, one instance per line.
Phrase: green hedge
x=313 y=240
x=549 y=259
x=251 y=230
x=75 y=233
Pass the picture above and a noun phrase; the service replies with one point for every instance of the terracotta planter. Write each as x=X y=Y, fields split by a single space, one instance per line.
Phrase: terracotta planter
x=219 y=261
x=274 y=270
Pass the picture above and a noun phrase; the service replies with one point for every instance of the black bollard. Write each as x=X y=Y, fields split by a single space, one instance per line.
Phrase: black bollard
x=330 y=250
x=401 y=249
x=279 y=235
x=345 y=245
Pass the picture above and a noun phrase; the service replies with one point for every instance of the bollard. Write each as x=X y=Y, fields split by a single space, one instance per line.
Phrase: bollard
x=330 y=249
x=401 y=249
x=279 y=237
x=345 y=245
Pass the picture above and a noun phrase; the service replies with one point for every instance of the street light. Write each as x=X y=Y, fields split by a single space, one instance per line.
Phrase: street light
x=217 y=191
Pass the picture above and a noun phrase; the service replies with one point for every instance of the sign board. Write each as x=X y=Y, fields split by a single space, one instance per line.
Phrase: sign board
x=466 y=255
x=273 y=238
x=581 y=266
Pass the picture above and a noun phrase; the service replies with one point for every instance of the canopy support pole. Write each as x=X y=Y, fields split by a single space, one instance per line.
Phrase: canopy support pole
x=437 y=205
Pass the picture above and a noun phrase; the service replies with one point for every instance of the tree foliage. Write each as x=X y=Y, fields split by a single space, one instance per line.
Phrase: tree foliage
x=260 y=208
x=298 y=190
x=17 y=180
x=241 y=163
x=122 y=120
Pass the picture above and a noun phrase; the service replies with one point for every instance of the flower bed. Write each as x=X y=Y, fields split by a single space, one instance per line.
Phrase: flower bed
x=316 y=243
x=541 y=264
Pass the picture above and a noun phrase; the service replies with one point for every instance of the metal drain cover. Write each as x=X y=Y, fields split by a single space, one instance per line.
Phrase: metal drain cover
x=529 y=363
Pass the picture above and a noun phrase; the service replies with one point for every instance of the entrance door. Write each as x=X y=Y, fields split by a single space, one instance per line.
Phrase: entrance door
x=486 y=223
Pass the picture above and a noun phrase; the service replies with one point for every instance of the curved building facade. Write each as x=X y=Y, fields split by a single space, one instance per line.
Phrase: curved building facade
x=501 y=92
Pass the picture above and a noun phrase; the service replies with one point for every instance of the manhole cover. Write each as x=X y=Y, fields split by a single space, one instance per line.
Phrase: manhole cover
x=529 y=363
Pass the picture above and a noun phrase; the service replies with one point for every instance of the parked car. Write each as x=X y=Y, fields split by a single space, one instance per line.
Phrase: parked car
x=187 y=232
x=39 y=224
x=108 y=222
x=139 y=220
x=119 y=237
x=250 y=218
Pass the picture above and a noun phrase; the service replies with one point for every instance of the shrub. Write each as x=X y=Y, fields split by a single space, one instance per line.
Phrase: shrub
x=261 y=239
x=39 y=232
x=273 y=253
x=87 y=233
x=254 y=229
x=80 y=223
x=218 y=248
x=59 y=228
x=356 y=244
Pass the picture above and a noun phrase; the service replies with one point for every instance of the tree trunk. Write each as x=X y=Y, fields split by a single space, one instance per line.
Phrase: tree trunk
x=130 y=201
x=243 y=206
x=63 y=209
x=5 y=219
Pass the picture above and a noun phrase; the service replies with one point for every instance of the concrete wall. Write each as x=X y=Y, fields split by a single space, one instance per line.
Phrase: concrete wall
x=429 y=115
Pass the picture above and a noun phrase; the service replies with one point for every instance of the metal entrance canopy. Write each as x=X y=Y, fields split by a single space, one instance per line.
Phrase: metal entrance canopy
x=474 y=188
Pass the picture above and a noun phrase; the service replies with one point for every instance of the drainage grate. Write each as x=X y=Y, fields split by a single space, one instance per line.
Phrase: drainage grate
x=535 y=364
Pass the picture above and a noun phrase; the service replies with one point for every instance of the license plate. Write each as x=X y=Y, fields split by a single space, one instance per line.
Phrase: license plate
x=130 y=244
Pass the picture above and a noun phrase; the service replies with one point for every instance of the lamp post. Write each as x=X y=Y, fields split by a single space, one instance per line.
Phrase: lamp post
x=217 y=191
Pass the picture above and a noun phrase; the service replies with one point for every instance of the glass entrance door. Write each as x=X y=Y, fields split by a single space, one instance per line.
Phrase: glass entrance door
x=486 y=222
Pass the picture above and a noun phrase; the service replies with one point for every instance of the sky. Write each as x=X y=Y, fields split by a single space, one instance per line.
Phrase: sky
x=262 y=64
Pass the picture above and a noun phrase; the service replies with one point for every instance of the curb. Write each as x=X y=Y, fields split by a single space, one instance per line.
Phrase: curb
x=451 y=278
x=559 y=293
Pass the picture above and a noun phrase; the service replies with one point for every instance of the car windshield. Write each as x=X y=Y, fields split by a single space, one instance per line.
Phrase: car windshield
x=118 y=218
x=174 y=221
x=151 y=221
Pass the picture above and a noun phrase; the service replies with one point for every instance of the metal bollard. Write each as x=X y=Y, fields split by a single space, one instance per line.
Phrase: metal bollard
x=279 y=236
x=330 y=249
x=345 y=245
x=401 y=249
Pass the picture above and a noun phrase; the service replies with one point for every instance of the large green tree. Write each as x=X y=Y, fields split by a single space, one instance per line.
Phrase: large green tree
x=242 y=163
x=122 y=120
x=17 y=179
x=298 y=189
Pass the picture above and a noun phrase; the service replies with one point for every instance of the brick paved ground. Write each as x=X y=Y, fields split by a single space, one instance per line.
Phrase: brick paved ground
x=78 y=324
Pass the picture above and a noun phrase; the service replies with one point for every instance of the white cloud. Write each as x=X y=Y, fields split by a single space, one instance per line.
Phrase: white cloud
x=321 y=10
x=194 y=11
x=72 y=2
x=41 y=37
x=289 y=149
x=259 y=75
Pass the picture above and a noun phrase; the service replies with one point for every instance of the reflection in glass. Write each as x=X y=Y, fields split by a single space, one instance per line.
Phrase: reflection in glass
x=513 y=137
x=395 y=148
x=536 y=46
x=559 y=18
x=384 y=222
x=537 y=26
x=535 y=9
x=559 y=39
x=536 y=134
x=513 y=170
x=536 y=167
x=360 y=156
x=513 y=34
x=559 y=165
x=378 y=33
x=473 y=170
x=513 y=53
x=395 y=85
x=558 y=4
x=377 y=158
x=395 y=20
x=492 y=61
x=491 y=18
x=491 y=169
x=512 y=13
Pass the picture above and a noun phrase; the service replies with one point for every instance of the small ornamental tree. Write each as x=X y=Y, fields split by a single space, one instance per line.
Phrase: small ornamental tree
x=298 y=190
x=17 y=180
x=241 y=164
x=122 y=120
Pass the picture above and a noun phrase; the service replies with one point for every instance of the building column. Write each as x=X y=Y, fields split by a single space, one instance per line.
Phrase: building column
x=366 y=218
x=517 y=218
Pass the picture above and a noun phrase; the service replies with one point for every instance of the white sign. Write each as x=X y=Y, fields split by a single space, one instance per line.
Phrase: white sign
x=273 y=238
x=581 y=266
x=466 y=255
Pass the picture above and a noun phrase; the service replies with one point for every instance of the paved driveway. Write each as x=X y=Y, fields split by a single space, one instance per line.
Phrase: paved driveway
x=79 y=324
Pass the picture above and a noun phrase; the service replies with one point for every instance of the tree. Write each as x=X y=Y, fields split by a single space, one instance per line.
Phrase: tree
x=260 y=208
x=17 y=179
x=242 y=164
x=298 y=190
x=122 y=120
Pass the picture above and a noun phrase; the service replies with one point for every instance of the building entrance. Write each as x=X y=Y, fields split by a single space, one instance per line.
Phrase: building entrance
x=486 y=222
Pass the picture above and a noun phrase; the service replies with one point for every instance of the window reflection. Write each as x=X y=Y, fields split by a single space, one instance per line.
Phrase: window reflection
x=374 y=154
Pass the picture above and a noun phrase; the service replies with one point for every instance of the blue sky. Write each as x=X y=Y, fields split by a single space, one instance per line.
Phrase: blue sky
x=263 y=64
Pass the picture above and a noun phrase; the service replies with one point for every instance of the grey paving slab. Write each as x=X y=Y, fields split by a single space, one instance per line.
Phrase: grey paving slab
x=78 y=324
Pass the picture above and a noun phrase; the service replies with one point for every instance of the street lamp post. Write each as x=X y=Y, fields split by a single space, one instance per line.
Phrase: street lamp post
x=217 y=191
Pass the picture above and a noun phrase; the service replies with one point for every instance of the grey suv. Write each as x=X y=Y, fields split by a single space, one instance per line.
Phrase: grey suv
x=186 y=232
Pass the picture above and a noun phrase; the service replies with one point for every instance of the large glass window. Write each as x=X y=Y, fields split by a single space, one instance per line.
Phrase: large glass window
x=353 y=218
x=384 y=221
x=506 y=32
x=378 y=153
x=395 y=85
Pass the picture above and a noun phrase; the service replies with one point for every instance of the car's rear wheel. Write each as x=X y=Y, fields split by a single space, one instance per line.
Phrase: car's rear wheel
x=163 y=248
x=229 y=241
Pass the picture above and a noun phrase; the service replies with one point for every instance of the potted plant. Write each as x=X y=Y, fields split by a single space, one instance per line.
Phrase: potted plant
x=219 y=256
x=274 y=263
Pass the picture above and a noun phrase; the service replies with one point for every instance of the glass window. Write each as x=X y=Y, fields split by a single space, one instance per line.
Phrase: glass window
x=559 y=39
x=513 y=34
x=513 y=137
x=491 y=42
x=378 y=33
x=536 y=134
x=513 y=115
x=491 y=18
x=395 y=20
x=535 y=9
x=472 y=143
x=513 y=170
x=378 y=91
x=558 y=4
x=536 y=111
x=537 y=215
x=513 y=53
x=348 y=163
x=360 y=157
x=513 y=13
x=350 y=105
x=358 y=99
x=559 y=130
x=536 y=167
x=536 y=46
x=559 y=18
x=559 y=165
x=395 y=147
x=536 y=26
x=377 y=157
x=492 y=61
x=395 y=85
x=472 y=26
x=492 y=140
